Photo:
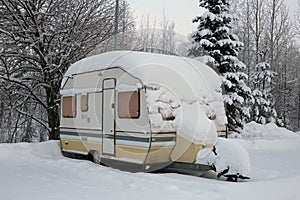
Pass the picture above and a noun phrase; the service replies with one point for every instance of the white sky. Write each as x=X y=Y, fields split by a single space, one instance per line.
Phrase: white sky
x=180 y=11
x=292 y=5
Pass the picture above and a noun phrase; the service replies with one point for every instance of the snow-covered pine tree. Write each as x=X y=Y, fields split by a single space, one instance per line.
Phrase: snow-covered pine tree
x=263 y=108
x=215 y=36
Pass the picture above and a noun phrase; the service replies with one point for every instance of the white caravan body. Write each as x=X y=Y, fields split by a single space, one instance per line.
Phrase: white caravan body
x=138 y=108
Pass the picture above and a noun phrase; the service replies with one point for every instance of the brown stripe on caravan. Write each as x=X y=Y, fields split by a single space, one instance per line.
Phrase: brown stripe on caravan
x=93 y=146
x=73 y=145
x=131 y=152
x=159 y=154
x=122 y=151
x=185 y=151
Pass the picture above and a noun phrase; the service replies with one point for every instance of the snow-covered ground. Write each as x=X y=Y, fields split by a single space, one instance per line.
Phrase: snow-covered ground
x=39 y=171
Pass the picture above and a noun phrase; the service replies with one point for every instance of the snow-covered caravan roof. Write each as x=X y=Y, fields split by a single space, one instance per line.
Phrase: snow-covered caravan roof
x=185 y=77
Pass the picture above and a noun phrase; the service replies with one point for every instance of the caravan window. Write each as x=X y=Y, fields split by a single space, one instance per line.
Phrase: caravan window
x=129 y=104
x=69 y=106
x=84 y=103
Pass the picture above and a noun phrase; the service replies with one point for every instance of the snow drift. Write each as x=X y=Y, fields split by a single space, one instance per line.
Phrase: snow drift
x=254 y=130
x=39 y=171
x=228 y=158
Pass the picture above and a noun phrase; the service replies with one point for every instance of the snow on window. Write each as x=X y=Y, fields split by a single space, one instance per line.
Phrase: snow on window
x=127 y=88
x=162 y=105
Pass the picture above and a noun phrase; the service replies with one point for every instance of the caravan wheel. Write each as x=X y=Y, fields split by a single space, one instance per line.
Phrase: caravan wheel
x=96 y=157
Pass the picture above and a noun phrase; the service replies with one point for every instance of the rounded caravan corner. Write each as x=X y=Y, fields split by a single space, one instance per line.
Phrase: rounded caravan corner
x=139 y=145
x=63 y=84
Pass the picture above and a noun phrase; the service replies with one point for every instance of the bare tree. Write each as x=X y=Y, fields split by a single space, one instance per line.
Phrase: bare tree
x=267 y=30
x=279 y=38
x=297 y=20
x=146 y=35
x=126 y=30
x=162 y=39
x=41 y=38
x=167 y=34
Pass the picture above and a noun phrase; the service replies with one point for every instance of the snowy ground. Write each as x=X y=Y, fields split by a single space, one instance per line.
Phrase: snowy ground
x=38 y=171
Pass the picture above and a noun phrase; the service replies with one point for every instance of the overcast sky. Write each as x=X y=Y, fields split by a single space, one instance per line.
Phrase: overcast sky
x=180 y=11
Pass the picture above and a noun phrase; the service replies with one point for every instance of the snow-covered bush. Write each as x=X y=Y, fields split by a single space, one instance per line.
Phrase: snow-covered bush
x=227 y=157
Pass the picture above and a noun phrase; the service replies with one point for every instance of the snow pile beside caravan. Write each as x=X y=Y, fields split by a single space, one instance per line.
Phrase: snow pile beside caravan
x=229 y=153
x=269 y=131
x=227 y=157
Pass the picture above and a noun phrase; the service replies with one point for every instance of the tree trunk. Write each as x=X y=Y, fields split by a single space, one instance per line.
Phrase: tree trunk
x=248 y=42
x=257 y=31
x=298 y=100
x=53 y=121
x=53 y=112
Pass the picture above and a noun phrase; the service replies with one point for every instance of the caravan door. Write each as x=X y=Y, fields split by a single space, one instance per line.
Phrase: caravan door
x=108 y=117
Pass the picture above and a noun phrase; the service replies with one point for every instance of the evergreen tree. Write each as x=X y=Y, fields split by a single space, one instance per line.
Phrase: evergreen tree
x=215 y=36
x=263 y=107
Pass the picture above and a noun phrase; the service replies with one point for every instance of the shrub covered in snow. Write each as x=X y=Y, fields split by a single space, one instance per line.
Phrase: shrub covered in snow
x=227 y=157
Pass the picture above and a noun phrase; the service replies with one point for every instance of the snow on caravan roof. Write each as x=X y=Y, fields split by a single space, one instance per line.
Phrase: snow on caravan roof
x=180 y=74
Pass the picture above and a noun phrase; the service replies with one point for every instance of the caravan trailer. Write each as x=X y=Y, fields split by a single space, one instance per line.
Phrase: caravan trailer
x=141 y=111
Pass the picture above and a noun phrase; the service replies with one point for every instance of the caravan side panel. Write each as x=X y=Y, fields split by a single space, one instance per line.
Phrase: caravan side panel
x=84 y=132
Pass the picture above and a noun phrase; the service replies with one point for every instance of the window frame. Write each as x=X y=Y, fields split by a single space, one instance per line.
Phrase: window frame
x=126 y=114
x=84 y=102
x=69 y=113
